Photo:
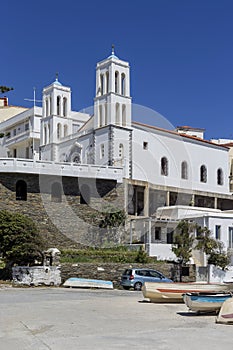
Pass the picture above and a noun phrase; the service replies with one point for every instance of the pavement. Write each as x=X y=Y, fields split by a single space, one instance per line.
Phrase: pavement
x=69 y=318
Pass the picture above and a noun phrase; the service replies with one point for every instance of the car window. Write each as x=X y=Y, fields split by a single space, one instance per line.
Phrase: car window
x=127 y=272
x=154 y=274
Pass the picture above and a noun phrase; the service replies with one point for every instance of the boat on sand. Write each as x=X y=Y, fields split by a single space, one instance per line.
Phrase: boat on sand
x=205 y=302
x=173 y=292
x=225 y=315
x=76 y=282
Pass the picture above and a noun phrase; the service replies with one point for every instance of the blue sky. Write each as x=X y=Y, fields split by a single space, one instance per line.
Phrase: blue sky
x=180 y=53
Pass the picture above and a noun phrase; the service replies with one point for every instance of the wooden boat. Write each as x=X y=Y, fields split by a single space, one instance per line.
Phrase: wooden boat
x=87 y=283
x=225 y=315
x=205 y=302
x=159 y=292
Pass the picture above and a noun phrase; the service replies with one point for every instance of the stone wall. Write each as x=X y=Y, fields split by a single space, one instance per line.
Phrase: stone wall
x=113 y=271
x=66 y=223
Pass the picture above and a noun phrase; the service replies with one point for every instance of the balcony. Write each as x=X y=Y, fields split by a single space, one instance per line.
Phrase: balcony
x=30 y=166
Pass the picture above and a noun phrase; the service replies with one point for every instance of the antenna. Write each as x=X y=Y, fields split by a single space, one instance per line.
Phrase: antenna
x=34 y=98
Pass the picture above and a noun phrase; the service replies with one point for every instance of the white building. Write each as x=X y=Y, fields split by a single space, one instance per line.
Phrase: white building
x=159 y=167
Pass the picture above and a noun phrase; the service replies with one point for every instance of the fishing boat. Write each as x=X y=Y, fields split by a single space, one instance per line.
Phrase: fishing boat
x=225 y=315
x=205 y=302
x=159 y=292
x=76 y=282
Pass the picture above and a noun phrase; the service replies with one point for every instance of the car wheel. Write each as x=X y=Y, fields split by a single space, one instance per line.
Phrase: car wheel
x=138 y=286
x=126 y=288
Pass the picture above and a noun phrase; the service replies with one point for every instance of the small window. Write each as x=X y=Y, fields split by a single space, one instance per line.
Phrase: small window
x=220 y=177
x=184 y=170
x=121 y=151
x=116 y=82
x=170 y=237
x=102 y=151
x=26 y=126
x=14 y=153
x=164 y=166
x=230 y=240
x=157 y=233
x=203 y=174
x=145 y=145
x=58 y=131
x=21 y=190
x=14 y=132
x=218 y=232
x=101 y=84
x=58 y=105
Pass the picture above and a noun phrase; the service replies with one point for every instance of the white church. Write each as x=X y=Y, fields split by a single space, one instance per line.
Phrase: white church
x=159 y=168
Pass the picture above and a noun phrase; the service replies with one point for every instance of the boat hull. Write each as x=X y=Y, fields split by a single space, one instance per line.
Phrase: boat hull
x=87 y=283
x=205 y=302
x=173 y=292
x=225 y=315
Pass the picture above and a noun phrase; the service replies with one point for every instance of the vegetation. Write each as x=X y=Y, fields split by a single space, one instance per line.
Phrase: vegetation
x=4 y=89
x=20 y=242
x=185 y=242
x=212 y=248
x=118 y=254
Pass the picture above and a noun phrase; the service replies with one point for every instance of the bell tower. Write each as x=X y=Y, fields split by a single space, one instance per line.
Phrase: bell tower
x=112 y=103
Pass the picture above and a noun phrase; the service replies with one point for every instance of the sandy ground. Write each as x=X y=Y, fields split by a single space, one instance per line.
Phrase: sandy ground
x=60 y=318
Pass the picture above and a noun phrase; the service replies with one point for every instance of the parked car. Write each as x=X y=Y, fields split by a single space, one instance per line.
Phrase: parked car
x=135 y=278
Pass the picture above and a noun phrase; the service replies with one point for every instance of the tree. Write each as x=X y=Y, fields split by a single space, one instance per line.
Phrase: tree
x=213 y=248
x=4 y=89
x=112 y=224
x=20 y=242
x=183 y=241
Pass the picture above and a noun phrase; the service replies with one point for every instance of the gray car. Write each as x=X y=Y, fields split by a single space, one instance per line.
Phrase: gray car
x=135 y=278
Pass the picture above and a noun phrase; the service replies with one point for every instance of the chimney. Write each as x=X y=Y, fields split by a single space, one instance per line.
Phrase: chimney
x=3 y=101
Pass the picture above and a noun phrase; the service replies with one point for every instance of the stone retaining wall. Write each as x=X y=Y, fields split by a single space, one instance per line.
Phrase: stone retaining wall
x=113 y=271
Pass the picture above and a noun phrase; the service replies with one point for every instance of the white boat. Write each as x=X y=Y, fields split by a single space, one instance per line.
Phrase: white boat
x=225 y=315
x=173 y=292
x=76 y=282
x=205 y=302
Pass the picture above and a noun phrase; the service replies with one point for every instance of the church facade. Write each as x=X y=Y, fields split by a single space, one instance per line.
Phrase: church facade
x=147 y=166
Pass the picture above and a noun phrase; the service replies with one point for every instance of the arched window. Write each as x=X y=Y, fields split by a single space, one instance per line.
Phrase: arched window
x=107 y=82
x=65 y=130
x=117 y=114
x=58 y=131
x=123 y=84
x=164 y=166
x=85 y=194
x=58 y=105
x=101 y=84
x=50 y=105
x=45 y=135
x=101 y=115
x=116 y=82
x=219 y=176
x=184 y=170
x=21 y=190
x=46 y=107
x=123 y=115
x=203 y=173
x=48 y=133
x=64 y=106
x=106 y=114
x=121 y=151
x=56 y=192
